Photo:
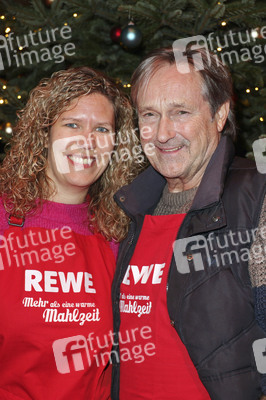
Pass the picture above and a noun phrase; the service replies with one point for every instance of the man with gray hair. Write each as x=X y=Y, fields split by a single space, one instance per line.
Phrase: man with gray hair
x=189 y=290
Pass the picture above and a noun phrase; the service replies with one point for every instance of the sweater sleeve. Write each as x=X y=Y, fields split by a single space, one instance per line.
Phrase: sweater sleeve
x=257 y=271
x=114 y=247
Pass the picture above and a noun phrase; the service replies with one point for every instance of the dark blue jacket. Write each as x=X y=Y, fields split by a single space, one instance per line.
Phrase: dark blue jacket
x=212 y=310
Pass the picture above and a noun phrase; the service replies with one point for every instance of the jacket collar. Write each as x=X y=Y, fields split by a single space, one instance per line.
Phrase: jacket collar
x=212 y=184
x=143 y=194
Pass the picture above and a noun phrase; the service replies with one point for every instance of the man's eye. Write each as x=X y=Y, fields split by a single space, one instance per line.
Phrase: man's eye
x=147 y=115
x=71 y=125
x=182 y=112
x=102 y=129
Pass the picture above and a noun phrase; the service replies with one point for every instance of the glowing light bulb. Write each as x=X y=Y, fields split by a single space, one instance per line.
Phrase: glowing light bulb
x=254 y=33
x=8 y=128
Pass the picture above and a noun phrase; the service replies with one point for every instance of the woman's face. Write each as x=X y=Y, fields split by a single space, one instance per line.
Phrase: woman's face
x=79 y=146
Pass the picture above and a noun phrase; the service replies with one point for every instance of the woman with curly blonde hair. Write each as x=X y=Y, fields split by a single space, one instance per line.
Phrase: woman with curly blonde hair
x=73 y=147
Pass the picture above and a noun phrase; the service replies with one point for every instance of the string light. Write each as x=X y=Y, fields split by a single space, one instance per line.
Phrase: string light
x=254 y=33
x=8 y=128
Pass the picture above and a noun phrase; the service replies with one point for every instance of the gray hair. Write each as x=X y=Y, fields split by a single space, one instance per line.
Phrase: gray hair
x=216 y=78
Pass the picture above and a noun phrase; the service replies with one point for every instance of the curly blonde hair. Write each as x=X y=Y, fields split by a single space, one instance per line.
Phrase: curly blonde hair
x=23 y=180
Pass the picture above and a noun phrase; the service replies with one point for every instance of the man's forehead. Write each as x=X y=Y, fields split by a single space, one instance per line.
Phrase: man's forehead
x=170 y=86
x=169 y=102
x=170 y=72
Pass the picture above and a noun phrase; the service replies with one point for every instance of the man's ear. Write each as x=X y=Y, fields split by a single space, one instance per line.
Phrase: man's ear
x=221 y=115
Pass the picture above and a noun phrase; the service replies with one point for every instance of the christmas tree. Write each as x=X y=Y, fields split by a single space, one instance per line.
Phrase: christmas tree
x=39 y=37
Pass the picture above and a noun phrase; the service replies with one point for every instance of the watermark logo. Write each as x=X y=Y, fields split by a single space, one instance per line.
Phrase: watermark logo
x=29 y=249
x=42 y=46
x=259 y=149
x=188 y=253
x=71 y=354
x=197 y=253
x=61 y=148
x=82 y=151
x=232 y=47
x=180 y=47
x=78 y=353
x=259 y=350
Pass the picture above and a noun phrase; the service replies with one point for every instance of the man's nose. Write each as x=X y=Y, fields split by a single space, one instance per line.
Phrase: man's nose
x=166 y=129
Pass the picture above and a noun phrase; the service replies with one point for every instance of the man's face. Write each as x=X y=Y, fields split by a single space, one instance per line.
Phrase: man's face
x=175 y=118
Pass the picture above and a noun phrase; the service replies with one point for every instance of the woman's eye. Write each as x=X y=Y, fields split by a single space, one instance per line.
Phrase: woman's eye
x=102 y=129
x=72 y=125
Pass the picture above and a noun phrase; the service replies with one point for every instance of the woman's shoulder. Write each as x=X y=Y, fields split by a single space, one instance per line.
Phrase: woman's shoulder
x=3 y=216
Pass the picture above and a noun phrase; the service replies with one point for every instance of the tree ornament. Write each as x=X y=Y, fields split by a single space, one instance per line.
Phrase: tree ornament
x=131 y=36
x=115 y=34
x=48 y=3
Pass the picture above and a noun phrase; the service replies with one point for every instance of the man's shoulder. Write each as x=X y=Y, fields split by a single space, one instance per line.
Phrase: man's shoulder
x=244 y=184
x=243 y=163
x=243 y=168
